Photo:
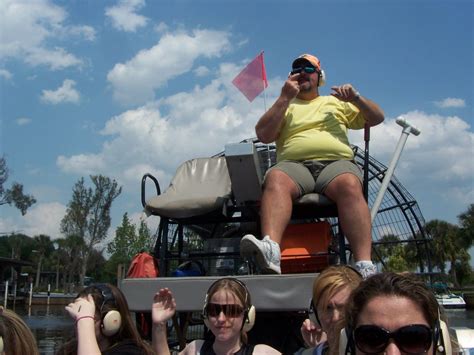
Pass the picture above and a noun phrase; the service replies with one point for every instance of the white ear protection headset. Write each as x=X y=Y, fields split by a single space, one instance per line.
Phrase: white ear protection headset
x=112 y=321
x=1 y=345
x=249 y=309
x=322 y=78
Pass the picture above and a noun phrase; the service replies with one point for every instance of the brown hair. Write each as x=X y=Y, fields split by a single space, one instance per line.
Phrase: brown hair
x=238 y=289
x=17 y=337
x=127 y=330
x=391 y=284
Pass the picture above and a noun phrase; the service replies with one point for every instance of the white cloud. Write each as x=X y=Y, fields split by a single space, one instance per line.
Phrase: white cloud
x=161 y=27
x=41 y=218
x=436 y=161
x=5 y=74
x=450 y=102
x=134 y=82
x=157 y=137
x=22 y=121
x=201 y=71
x=29 y=28
x=87 y=32
x=65 y=93
x=124 y=16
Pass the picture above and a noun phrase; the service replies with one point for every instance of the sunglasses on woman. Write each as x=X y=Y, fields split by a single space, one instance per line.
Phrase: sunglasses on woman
x=307 y=70
x=411 y=339
x=229 y=310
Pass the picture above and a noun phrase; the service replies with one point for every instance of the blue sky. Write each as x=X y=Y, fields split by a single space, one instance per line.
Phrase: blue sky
x=121 y=88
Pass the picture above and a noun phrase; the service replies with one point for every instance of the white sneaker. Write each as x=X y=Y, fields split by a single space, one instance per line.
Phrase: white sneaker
x=266 y=252
x=365 y=268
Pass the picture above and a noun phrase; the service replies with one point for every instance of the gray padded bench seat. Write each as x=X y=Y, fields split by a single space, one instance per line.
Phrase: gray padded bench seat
x=290 y=292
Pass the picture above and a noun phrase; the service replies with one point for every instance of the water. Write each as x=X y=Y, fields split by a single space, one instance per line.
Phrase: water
x=52 y=326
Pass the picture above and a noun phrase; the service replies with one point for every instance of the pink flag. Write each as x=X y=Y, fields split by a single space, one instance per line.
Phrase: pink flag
x=252 y=80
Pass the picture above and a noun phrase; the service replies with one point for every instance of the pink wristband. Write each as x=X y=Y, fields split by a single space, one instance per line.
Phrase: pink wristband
x=78 y=319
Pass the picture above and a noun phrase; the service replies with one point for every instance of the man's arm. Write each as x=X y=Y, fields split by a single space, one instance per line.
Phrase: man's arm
x=268 y=126
x=371 y=111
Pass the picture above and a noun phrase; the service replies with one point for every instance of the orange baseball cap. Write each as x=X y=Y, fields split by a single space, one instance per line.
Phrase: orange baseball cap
x=314 y=61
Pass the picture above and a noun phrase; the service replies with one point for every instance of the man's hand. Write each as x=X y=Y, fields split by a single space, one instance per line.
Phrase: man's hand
x=291 y=88
x=345 y=93
x=312 y=335
x=163 y=307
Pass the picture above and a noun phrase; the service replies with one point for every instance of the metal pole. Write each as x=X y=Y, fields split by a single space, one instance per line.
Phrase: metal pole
x=407 y=129
x=6 y=295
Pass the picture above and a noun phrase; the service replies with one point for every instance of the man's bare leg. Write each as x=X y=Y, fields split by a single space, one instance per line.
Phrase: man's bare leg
x=354 y=214
x=275 y=213
x=277 y=204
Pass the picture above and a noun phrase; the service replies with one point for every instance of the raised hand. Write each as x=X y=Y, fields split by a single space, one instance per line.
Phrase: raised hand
x=163 y=307
x=345 y=93
x=312 y=334
x=81 y=307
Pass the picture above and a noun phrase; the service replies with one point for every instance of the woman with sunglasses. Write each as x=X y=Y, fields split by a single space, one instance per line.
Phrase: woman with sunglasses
x=228 y=313
x=395 y=314
x=331 y=291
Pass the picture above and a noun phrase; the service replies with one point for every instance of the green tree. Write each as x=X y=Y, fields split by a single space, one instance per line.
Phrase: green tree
x=127 y=243
x=14 y=195
x=447 y=246
x=466 y=221
x=88 y=214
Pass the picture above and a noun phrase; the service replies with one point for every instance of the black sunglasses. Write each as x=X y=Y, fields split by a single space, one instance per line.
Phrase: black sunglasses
x=307 y=70
x=229 y=310
x=411 y=339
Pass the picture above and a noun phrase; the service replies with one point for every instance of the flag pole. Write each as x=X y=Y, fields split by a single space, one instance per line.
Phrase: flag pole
x=263 y=83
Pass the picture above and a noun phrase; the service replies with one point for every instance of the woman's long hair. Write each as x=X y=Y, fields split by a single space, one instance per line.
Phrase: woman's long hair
x=17 y=337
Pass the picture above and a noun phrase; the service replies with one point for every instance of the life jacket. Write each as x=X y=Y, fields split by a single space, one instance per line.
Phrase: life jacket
x=143 y=265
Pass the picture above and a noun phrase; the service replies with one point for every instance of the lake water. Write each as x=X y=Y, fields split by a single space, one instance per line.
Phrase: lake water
x=52 y=326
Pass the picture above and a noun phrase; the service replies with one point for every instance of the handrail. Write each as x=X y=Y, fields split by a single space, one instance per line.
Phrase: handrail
x=143 y=186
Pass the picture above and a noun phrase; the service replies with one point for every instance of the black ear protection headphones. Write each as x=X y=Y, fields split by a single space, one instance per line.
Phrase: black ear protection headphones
x=441 y=339
x=112 y=320
x=249 y=309
x=313 y=313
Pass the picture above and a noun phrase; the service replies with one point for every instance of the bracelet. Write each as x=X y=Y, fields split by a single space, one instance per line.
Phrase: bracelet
x=79 y=318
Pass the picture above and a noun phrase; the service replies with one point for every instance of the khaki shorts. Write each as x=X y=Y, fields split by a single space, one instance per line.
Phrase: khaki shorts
x=313 y=175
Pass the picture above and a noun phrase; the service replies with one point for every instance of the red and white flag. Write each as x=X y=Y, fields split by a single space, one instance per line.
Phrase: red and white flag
x=252 y=80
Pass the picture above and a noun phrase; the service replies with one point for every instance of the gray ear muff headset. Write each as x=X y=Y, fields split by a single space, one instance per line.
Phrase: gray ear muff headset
x=112 y=321
x=2 y=347
x=249 y=309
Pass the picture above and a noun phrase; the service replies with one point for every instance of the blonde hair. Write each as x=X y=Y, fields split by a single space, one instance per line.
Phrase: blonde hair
x=17 y=337
x=332 y=280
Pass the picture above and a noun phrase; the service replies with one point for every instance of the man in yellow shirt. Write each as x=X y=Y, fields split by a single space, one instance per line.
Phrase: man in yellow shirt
x=313 y=155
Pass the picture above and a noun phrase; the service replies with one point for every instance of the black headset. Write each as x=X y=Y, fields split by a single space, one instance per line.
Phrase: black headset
x=249 y=309
x=112 y=320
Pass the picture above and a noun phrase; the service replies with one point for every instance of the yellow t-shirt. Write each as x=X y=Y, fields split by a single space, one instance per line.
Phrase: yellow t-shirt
x=317 y=130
